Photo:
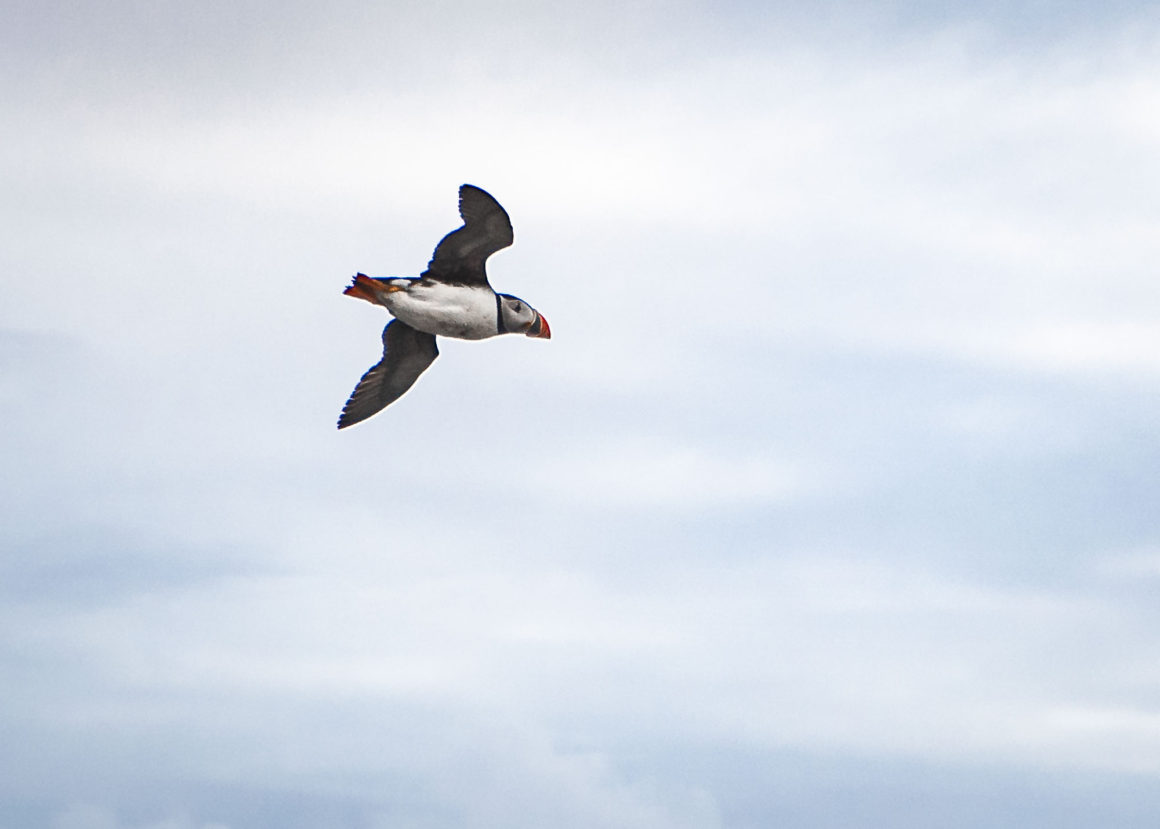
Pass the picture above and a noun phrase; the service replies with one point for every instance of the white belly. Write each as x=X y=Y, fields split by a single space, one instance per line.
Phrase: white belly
x=446 y=310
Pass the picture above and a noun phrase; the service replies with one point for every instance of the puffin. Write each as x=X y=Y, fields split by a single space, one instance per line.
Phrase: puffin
x=452 y=298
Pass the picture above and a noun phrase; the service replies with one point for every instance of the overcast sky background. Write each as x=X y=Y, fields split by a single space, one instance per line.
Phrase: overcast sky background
x=833 y=501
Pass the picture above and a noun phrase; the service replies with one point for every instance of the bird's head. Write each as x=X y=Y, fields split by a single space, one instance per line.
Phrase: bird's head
x=521 y=318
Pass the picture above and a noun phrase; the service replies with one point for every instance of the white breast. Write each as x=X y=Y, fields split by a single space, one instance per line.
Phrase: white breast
x=446 y=310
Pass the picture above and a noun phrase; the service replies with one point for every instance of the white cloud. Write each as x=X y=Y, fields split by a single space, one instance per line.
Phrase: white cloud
x=1134 y=564
x=1090 y=348
x=793 y=651
x=1121 y=739
x=649 y=474
x=86 y=816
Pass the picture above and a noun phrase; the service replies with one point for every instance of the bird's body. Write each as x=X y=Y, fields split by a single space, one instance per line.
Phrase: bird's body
x=452 y=298
x=466 y=312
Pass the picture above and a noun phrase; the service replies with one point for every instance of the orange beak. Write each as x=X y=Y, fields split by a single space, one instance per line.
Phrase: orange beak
x=540 y=328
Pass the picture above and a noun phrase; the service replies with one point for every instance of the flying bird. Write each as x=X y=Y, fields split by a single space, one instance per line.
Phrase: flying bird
x=452 y=298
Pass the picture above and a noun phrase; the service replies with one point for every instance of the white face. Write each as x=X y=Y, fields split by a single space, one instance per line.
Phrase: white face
x=518 y=316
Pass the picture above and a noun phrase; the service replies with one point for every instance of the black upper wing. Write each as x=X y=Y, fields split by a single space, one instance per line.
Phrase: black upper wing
x=406 y=355
x=459 y=257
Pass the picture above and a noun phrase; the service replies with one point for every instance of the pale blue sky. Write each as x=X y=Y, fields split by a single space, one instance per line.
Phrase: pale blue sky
x=831 y=502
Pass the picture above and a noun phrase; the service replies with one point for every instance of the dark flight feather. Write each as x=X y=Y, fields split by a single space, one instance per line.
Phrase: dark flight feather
x=461 y=254
x=406 y=354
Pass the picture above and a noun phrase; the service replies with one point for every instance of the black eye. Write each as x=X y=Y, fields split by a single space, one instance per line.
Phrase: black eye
x=518 y=307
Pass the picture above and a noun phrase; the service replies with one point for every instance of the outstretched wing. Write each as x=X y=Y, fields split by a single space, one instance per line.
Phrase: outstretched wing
x=459 y=257
x=406 y=355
